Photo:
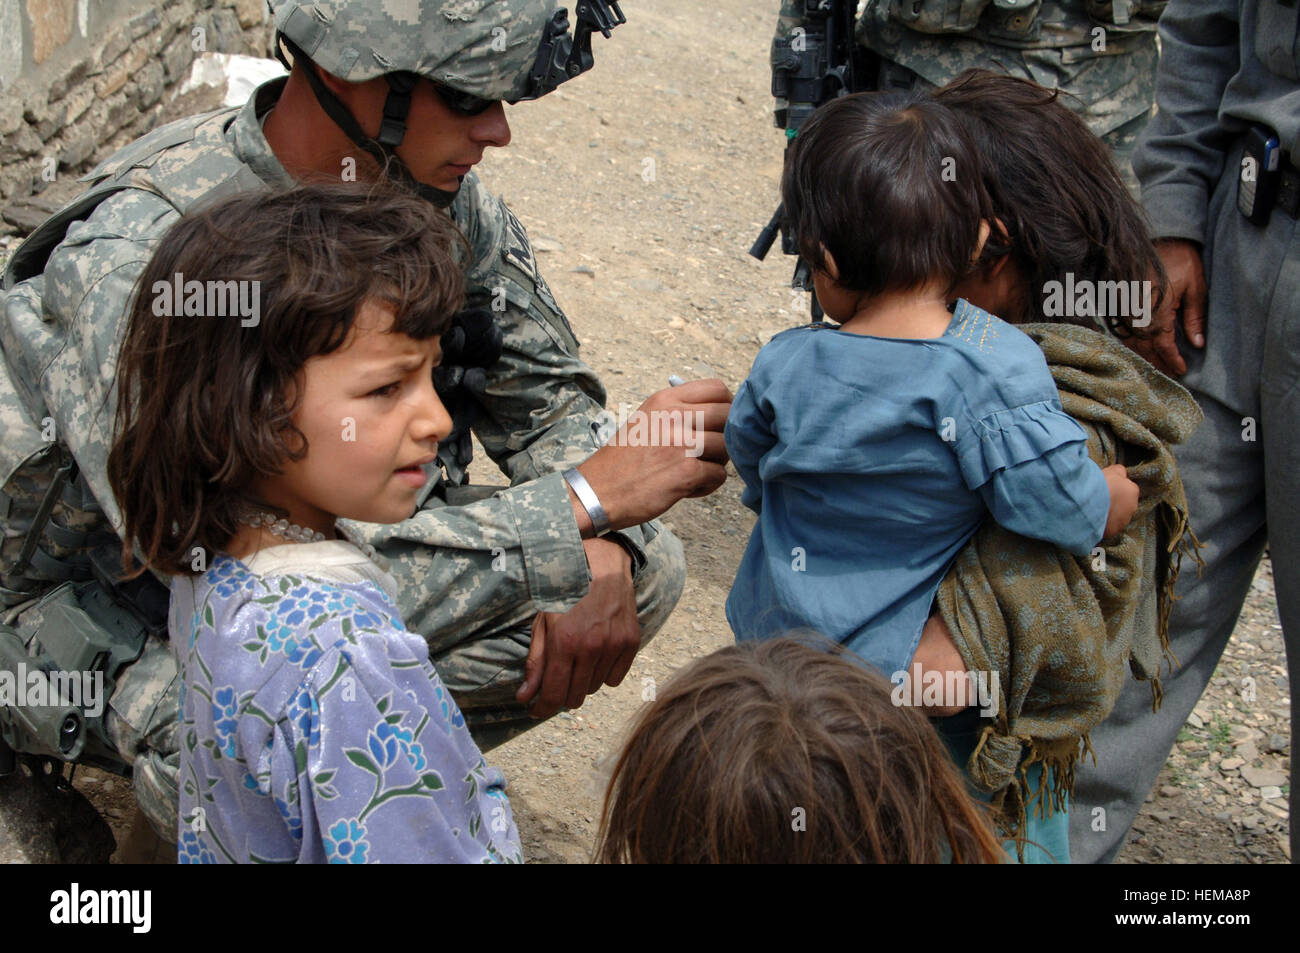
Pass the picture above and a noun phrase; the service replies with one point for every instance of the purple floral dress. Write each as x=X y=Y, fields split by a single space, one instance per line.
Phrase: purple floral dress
x=314 y=729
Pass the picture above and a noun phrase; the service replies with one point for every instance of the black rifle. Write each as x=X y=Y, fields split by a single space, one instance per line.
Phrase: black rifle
x=819 y=61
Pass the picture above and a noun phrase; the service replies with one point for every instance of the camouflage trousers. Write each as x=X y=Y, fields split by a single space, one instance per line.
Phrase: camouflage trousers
x=483 y=673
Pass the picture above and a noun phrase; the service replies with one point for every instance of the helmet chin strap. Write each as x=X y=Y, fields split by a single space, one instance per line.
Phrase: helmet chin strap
x=391 y=131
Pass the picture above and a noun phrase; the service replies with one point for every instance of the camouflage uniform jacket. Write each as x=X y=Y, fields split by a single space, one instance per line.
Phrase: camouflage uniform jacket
x=460 y=566
x=1079 y=46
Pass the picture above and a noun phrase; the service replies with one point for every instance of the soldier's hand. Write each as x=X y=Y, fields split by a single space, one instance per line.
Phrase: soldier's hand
x=670 y=448
x=593 y=644
x=1186 y=294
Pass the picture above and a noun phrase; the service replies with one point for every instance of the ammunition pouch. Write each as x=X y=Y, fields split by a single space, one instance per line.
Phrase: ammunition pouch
x=938 y=16
x=58 y=670
x=1005 y=19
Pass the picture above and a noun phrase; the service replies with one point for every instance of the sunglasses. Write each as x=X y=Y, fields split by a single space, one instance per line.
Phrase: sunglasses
x=466 y=104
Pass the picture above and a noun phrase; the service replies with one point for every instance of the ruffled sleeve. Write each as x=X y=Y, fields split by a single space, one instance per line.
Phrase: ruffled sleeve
x=1031 y=465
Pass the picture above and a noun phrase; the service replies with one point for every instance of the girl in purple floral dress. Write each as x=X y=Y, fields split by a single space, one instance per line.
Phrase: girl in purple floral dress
x=313 y=726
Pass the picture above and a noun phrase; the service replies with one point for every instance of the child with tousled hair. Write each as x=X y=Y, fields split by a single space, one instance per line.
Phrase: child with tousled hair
x=313 y=726
x=786 y=751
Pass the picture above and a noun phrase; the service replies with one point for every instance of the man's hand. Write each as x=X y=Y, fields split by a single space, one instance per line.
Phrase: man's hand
x=686 y=457
x=937 y=653
x=592 y=644
x=1186 y=293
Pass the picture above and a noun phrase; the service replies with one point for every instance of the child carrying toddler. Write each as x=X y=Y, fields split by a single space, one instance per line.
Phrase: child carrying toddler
x=872 y=451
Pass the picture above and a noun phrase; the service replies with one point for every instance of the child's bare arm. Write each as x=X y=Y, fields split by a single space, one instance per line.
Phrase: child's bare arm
x=937 y=653
x=1123 y=499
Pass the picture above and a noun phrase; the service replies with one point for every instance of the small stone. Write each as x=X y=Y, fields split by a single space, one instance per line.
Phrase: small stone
x=1277 y=744
x=1247 y=751
x=1270 y=791
x=1164 y=817
x=1224 y=816
x=11 y=115
x=144 y=23
x=177 y=57
x=250 y=12
x=24 y=216
x=1195 y=720
x=542 y=243
x=60 y=87
x=117 y=43
x=149 y=82
x=1264 y=777
x=1230 y=764
x=1169 y=790
x=23 y=143
x=585 y=270
x=676 y=323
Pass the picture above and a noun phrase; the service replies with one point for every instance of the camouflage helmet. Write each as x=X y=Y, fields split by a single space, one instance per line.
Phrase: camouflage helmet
x=488 y=49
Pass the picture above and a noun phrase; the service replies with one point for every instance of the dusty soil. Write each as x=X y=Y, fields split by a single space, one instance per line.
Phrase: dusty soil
x=642 y=185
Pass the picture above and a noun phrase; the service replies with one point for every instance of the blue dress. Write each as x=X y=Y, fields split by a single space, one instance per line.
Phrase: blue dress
x=871 y=461
x=314 y=729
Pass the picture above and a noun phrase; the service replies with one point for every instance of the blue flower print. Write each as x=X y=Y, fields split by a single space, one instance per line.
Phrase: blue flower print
x=300 y=606
x=387 y=741
x=228 y=577
x=294 y=646
x=304 y=715
x=193 y=851
x=345 y=843
x=292 y=821
x=450 y=712
x=225 y=719
x=366 y=620
x=383 y=744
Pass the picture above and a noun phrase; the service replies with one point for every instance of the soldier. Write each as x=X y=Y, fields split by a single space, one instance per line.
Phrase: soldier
x=533 y=595
x=1101 y=51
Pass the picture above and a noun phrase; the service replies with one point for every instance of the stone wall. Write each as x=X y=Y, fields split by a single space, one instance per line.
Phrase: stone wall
x=80 y=78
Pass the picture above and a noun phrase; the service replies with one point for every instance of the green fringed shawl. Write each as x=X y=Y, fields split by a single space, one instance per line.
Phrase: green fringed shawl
x=1057 y=628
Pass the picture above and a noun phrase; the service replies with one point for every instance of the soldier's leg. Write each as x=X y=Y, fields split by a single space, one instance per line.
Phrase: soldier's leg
x=142 y=722
x=1280 y=409
x=485 y=672
x=1223 y=476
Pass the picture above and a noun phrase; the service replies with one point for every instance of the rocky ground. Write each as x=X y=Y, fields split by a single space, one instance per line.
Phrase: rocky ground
x=643 y=185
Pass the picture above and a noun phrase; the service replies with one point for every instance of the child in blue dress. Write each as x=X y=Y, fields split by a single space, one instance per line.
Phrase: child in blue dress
x=872 y=451
x=313 y=726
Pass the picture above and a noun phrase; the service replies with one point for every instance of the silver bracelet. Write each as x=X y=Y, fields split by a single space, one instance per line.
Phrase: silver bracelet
x=589 y=500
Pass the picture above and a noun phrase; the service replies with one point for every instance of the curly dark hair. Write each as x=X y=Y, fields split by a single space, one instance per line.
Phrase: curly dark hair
x=205 y=399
